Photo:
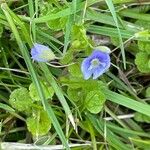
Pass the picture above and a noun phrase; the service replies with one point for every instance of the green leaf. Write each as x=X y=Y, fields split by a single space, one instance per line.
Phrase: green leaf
x=68 y=57
x=80 y=40
x=57 y=24
x=20 y=100
x=142 y=118
x=143 y=24
x=75 y=70
x=94 y=101
x=48 y=91
x=75 y=94
x=39 y=123
x=88 y=85
x=127 y=102
x=6 y=107
x=142 y=144
x=115 y=41
x=142 y=62
x=143 y=35
x=144 y=46
x=148 y=92
x=114 y=15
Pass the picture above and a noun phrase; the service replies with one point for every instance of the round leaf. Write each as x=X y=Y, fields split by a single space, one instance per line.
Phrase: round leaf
x=142 y=62
x=94 y=101
x=20 y=99
x=48 y=91
x=39 y=124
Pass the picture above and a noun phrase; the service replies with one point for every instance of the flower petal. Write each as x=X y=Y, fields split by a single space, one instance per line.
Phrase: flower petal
x=88 y=70
x=40 y=47
x=42 y=53
x=102 y=56
x=100 y=70
x=85 y=68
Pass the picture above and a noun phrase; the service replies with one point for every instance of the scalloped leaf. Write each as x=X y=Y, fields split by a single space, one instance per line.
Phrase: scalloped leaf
x=94 y=101
x=21 y=100
x=39 y=123
x=48 y=91
x=143 y=62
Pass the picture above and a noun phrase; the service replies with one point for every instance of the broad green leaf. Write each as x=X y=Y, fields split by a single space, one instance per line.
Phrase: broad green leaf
x=88 y=85
x=109 y=31
x=94 y=101
x=115 y=41
x=144 y=46
x=75 y=94
x=39 y=123
x=75 y=70
x=143 y=62
x=48 y=91
x=21 y=100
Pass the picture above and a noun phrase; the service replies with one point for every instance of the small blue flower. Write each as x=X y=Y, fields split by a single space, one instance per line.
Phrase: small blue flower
x=95 y=65
x=42 y=53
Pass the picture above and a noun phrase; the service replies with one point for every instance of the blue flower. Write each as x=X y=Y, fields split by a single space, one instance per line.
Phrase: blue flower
x=95 y=65
x=42 y=53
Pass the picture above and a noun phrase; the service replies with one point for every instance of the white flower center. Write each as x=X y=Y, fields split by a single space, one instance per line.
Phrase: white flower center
x=95 y=63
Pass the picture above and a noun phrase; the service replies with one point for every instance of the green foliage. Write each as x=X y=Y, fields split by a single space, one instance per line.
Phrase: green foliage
x=144 y=24
x=141 y=118
x=148 y=92
x=143 y=35
x=20 y=100
x=39 y=123
x=143 y=62
x=1 y=30
x=143 y=57
x=79 y=42
x=75 y=70
x=57 y=24
x=67 y=58
x=79 y=38
x=144 y=46
x=85 y=93
x=143 y=144
x=115 y=41
x=94 y=101
x=75 y=94
x=68 y=27
x=48 y=91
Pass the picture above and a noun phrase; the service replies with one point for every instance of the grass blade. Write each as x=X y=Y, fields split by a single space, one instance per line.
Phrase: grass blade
x=112 y=10
x=127 y=102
